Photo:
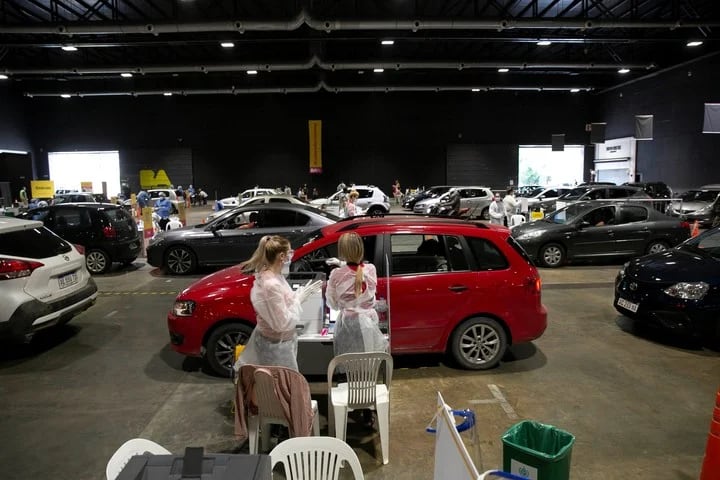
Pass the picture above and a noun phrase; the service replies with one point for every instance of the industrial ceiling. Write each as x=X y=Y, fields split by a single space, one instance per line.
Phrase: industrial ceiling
x=189 y=47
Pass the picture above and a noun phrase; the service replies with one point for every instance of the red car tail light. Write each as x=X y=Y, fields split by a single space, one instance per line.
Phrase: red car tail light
x=79 y=248
x=534 y=285
x=109 y=232
x=11 y=268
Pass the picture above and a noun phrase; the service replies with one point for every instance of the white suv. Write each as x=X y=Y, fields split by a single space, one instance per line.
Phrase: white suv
x=371 y=200
x=43 y=279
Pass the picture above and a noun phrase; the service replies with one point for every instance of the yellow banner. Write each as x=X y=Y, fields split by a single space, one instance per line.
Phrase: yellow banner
x=42 y=189
x=86 y=187
x=315 y=129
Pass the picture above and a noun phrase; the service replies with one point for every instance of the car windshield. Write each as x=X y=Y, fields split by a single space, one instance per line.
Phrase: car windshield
x=575 y=193
x=699 y=195
x=566 y=215
x=530 y=192
x=708 y=242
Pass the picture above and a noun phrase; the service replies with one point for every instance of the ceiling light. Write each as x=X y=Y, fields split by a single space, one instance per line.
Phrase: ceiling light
x=227 y=44
x=65 y=95
x=475 y=89
x=168 y=94
x=544 y=43
x=126 y=75
x=694 y=43
x=69 y=48
x=378 y=70
x=503 y=70
x=574 y=90
x=388 y=42
x=252 y=72
x=3 y=77
x=624 y=70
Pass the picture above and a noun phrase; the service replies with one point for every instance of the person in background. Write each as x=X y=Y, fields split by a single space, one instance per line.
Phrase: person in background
x=497 y=210
x=23 y=198
x=189 y=195
x=340 y=187
x=315 y=193
x=277 y=306
x=350 y=208
x=510 y=204
x=143 y=200
x=203 y=196
x=288 y=190
x=397 y=192
x=163 y=207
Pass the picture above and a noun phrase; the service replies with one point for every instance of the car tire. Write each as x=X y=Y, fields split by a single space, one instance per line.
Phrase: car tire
x=375 y=211
x=180 y=260
x=551 y=255
x=485 y=215
x=656 y=246
x=97 y=261
x=478 y=343
x=220 y=347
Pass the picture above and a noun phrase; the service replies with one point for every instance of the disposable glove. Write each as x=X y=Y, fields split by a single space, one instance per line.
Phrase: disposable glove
x=335 y=262
x=308 y=290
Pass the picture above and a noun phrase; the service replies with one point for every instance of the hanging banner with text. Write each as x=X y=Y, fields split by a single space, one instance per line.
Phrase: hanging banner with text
x=315 y=130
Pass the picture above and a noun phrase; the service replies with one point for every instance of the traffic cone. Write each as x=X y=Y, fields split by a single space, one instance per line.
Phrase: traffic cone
x=711 y=463
x=695 y=230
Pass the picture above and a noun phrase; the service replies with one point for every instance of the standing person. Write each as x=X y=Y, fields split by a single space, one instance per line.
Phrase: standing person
x=497 y=210
x=350 y=208
x=315 y=193
x=510 y=204
x=340 y=187
x=163 y=207
x=288 y=190
x=143 y=199
x=23 y=198
x=351 y=289
x=203 y=196
x=277 y=306
x=397 y=192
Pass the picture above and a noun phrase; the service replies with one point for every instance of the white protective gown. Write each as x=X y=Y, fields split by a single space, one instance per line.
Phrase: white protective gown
x=274 y=339
x=497 y=213
x=356 y=329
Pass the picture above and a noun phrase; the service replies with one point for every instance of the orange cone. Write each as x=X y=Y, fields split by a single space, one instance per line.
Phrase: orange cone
x=695 y=231
x=711 y=464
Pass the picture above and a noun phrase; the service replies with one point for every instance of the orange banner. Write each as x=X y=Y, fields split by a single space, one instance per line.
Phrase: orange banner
x=315 y=130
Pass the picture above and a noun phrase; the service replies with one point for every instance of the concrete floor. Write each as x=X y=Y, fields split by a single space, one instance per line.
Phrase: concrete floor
x=638 y=403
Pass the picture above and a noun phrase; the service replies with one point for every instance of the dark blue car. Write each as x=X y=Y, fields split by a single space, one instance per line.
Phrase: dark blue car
x=677 y=289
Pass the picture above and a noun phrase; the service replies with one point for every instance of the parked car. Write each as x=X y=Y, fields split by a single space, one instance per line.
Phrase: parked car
x=257 y=201
x=169 y=194
x=545 y=198
x=232 y=238
x=658 y=190
x=599 y=231
x=452 y=286
x=599 y=192
x=476 y=199
x=107 y=232
x=696 y=205
x=74 y=197
x=433 y=192
x=678 y=289
x=371 y=200
x=237 y=200
x=43 y=279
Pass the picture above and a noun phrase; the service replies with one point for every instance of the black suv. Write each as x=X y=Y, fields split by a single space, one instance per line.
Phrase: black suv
x=107 y=232
x=655 y=190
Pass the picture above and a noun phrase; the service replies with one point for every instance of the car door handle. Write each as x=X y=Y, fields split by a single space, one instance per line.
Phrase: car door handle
x=458 y=288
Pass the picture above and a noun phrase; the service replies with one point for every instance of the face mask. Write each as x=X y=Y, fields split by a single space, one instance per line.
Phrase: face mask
x=288 y=258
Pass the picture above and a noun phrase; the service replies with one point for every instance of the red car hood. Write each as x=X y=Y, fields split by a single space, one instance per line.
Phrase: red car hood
x=228 y=280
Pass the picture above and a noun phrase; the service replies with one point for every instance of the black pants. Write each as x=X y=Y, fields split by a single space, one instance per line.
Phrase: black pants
x=163 y=223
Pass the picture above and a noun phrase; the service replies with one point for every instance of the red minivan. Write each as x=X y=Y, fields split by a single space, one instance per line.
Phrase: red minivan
x=452 y=286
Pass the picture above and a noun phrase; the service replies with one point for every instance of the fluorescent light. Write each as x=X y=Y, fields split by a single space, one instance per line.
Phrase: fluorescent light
x=475 y=89
x=69 y=48
x=65 y=95
x=3 y=77
x=252 y=72
x=227 y=44
x=388 y=42
x=126 y=75
x=694 y=43
x=378 y=70
x=503 y=70
x=574 y=90
x=168 y=94
x=544 y=43
x=624 y=70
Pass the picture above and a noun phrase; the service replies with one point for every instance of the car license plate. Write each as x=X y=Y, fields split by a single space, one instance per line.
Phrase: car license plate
x=633 y=307
x=67 y=280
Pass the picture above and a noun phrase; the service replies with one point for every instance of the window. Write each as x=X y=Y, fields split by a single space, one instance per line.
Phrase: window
x=629 y=214
x=458 y=260
x=75 y=218
x=282 y=218
x=35 y=243
x=279 y=200
x=488 y=256
x=417 y=254
x=364 y=193
x=620 y=193
x=600 y=217
x=596 y=194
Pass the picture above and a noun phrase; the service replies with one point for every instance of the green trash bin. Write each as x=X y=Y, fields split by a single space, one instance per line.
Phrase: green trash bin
x=537 y=451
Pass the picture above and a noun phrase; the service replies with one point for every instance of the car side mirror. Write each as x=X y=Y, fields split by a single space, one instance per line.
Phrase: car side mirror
x=583 y=224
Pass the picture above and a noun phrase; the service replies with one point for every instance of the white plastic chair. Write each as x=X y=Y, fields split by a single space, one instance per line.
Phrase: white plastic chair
x=270 y=410
x=135 y=446
x=517 y=220
x=362 y=391
x=173 y=224
x=315 y=458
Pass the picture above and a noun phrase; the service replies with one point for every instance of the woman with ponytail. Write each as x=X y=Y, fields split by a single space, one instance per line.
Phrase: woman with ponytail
x=277 y=306
x=351 y=289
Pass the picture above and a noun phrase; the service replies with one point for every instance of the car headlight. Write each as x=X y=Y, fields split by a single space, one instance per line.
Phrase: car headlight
x=184 y=308
x=530 y=235
x=704 y=210
x=688 y=290
x=623 y=270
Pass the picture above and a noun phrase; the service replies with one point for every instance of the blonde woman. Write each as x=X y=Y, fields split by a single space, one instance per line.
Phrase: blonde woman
x=277 y=306
x=351 y=290
x=350 y=208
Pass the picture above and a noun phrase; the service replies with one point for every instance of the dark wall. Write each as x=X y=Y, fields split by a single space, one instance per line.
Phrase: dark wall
x=240 y=141
x=680 y=154
x=13 y=121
